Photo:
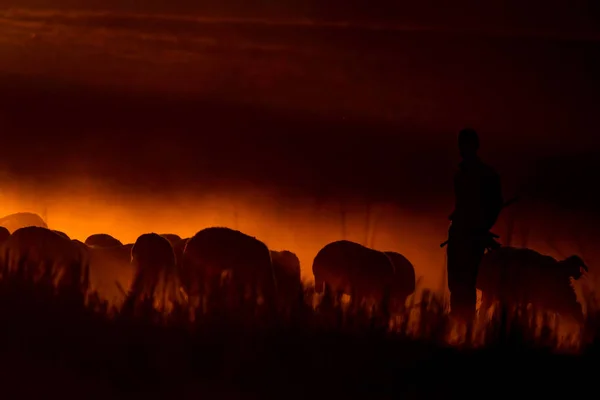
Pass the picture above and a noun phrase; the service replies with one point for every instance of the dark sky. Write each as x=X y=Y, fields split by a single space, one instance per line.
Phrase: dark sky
x=371 y=107
x=558 y=14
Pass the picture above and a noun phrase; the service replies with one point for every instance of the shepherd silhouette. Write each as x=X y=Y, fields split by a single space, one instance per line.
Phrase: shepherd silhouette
x=478 y=202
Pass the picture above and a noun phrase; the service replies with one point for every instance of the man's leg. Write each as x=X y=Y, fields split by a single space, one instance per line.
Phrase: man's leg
x=455 y=269
x=473 y=258
x=463 y=264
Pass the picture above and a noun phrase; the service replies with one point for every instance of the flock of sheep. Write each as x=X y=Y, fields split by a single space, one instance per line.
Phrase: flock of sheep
x=189 y=268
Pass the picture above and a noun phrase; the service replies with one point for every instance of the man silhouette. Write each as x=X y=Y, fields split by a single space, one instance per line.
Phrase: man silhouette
x=478 y=201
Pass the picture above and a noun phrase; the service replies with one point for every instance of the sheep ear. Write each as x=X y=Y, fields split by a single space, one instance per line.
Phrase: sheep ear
x=578 y=260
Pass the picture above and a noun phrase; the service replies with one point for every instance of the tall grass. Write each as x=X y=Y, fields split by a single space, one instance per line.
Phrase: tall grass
x=319 y=344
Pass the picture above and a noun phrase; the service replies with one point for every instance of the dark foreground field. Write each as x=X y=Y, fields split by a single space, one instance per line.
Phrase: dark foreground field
x=54 y=345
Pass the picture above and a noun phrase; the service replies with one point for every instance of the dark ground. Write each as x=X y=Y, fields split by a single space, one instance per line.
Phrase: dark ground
x=54 y=347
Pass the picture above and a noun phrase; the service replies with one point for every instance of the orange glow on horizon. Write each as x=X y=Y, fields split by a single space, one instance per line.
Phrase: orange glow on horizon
x=303 y=226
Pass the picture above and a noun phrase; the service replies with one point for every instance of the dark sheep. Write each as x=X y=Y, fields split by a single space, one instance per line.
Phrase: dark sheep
x=286 y=267
x=15 y=221
x=38 y=254
x=4 y=234
x=61 y=234
x=153 y=260
x=213 y=251
x=404 y=274
x=102 y=240
x=172 y=238
x=524 y=276
x=351 y=268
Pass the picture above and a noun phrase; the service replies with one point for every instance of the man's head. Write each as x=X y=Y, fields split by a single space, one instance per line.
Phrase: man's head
x=468 y=143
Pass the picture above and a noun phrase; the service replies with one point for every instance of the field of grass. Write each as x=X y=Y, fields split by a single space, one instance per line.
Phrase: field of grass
x=68 y=343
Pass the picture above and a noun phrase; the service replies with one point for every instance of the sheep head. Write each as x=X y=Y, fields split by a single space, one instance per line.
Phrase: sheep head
x=574 y=264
